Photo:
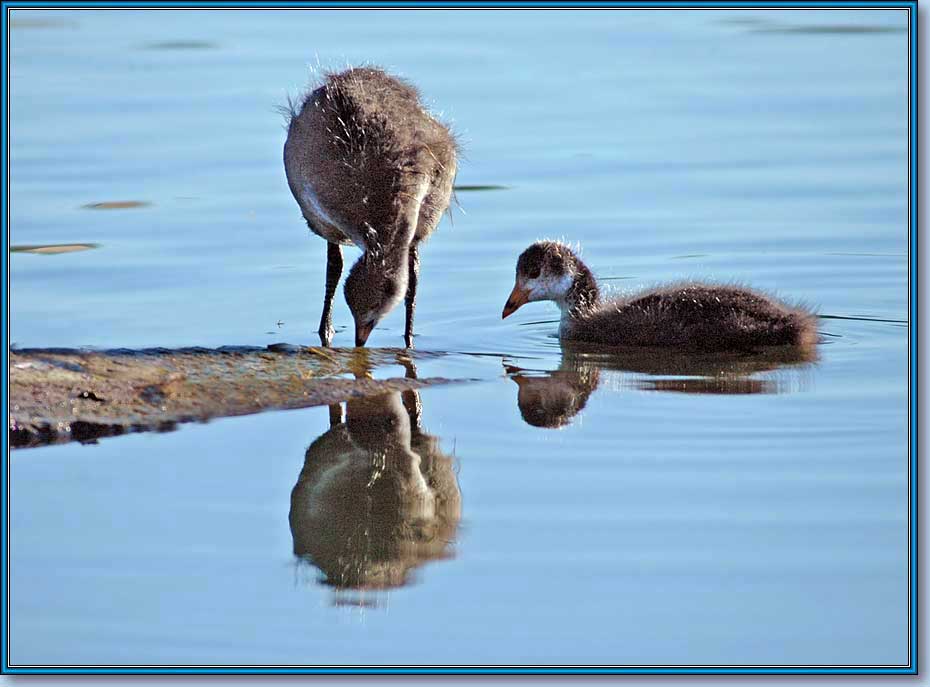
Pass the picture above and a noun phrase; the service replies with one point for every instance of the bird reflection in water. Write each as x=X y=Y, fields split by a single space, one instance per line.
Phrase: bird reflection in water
x=552 y=399
x=376 y=497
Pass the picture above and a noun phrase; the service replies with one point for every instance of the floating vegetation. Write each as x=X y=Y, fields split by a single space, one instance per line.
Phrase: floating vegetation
x=530 y=324
x=689 y=256
x=871 y=255
x=116 y=205
x=180 y=45
x=41 y=23
x=53 y=248
x=480 y=187
x=830 y=29
x=761 y=25
x=862 y=319
x=743 y=21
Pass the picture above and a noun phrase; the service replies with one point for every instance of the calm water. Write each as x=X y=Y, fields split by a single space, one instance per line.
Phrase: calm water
x=563 y=507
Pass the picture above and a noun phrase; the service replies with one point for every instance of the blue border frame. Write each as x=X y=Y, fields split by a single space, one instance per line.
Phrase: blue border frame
x=462 y=4
x=467 y=4
x=912 y=669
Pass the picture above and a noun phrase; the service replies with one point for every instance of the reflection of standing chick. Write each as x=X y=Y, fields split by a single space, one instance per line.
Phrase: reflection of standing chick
x=376 y=497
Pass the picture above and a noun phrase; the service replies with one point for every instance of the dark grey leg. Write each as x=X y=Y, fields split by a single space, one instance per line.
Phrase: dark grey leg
x=413 y=406
x=411 y=398
x=333 y=273
x=410 y=368
x=335 y=415
x=413 y=275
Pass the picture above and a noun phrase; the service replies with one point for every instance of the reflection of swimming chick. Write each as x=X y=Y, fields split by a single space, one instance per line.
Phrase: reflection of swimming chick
x=370 y=167
x=376 y=496
x=552 y=400
x=691 y=316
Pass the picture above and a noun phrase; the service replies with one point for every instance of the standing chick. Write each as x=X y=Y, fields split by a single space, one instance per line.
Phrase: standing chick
x=370 y=167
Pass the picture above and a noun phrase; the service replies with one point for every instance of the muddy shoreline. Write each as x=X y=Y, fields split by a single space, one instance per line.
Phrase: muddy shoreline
x=59 y=395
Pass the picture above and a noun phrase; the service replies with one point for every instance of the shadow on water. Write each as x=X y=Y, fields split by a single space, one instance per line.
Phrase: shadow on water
x=553 y=398
x=376 y=498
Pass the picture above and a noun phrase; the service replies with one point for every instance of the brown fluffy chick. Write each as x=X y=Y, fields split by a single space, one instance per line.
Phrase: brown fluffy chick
x=688 y=315
x=369 y=166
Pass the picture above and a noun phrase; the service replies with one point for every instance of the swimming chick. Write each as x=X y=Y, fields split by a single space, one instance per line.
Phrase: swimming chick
x=369 y=167
x=688 y=315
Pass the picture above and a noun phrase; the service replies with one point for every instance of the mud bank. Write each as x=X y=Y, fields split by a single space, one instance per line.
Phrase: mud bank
x=59 y=395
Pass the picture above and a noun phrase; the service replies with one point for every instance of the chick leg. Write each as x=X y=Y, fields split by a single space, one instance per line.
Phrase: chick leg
x=410 y=397
x=413 y=275
x=336 y=416
x=333 y=273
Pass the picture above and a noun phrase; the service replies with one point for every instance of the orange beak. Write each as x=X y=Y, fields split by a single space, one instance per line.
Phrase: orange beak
x=518 y=297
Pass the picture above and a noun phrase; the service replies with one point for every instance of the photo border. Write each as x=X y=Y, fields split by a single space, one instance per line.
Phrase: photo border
x=910 y=668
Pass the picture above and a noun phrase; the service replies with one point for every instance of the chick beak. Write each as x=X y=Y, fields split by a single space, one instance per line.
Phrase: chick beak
x=362 y=332
x=518 y=297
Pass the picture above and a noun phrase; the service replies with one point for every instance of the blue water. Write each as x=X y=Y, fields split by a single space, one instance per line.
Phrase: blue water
x=651 y=527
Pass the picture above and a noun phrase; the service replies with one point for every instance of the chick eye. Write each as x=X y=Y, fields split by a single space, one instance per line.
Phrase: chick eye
x=533 y=273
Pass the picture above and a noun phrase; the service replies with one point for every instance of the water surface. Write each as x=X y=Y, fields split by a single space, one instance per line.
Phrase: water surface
x=563 y=507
